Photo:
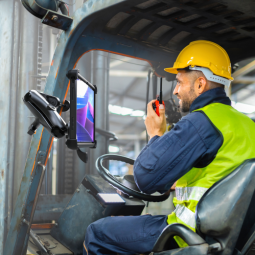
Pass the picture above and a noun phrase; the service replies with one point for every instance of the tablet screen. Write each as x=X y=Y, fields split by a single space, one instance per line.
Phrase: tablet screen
x=85 y=129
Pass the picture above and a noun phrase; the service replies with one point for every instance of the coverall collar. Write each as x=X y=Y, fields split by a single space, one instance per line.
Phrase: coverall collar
x=217 y=95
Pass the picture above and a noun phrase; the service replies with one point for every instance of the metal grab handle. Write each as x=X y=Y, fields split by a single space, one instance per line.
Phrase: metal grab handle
x=110 y=135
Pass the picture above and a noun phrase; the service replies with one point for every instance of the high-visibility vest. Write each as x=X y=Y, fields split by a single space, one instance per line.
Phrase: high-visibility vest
x=238 y=133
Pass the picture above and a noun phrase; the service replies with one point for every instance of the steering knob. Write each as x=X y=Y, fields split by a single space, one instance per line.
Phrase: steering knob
x=128 y=181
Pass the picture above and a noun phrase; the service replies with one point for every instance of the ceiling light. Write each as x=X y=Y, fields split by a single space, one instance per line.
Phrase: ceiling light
x=113 y=149
x=244 y=108
x=138 y=113
x=115 y=109
x=124 y=73
x=126 y=111
x=117 y=62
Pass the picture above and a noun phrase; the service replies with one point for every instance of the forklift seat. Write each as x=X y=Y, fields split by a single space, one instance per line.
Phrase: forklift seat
x=225 y=218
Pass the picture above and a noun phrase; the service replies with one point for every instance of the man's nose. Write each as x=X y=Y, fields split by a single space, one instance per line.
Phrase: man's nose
x=175 y=92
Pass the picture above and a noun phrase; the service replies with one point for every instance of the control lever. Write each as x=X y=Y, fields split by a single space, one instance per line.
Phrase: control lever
x=39 y=243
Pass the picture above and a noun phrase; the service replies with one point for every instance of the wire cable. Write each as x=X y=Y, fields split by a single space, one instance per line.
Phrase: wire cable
x=67 y=3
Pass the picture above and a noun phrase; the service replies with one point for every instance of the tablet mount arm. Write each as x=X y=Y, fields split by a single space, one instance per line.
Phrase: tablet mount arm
x=46 y=110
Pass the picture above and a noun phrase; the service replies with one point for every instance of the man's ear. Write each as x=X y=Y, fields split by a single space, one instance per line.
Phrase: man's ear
x=202 y=85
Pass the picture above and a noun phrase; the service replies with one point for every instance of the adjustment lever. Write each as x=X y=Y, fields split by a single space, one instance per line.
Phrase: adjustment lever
x=54 y=101
x=32 y=128
x=39 y=244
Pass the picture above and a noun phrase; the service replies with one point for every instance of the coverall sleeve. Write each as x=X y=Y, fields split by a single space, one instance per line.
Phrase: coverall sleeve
x=165 y=159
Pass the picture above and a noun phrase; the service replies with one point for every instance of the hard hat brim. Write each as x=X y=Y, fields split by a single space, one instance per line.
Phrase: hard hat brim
x=171 y=70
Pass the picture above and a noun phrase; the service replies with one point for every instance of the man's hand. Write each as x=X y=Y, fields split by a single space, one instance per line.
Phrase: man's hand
x=171 y=189
x=155 y=125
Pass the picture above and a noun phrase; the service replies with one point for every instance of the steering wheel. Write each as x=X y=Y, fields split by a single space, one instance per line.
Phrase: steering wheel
x=126 y=184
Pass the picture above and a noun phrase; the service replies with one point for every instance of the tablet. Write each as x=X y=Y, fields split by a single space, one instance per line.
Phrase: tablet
x=82 y=110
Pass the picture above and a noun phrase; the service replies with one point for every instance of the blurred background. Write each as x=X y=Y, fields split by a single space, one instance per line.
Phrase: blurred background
x=129 y=84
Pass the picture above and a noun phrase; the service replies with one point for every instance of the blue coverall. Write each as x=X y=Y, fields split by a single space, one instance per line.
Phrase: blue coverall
x=193 y=142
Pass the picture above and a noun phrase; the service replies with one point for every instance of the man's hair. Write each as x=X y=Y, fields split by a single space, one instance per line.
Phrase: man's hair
x=196 y=74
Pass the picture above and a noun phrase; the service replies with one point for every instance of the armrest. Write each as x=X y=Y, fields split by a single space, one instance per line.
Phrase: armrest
x=190 y=237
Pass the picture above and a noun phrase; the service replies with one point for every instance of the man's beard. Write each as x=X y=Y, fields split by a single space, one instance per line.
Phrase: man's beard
x=186 y=103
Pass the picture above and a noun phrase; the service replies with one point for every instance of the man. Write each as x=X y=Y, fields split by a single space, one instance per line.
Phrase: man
x=202 y=148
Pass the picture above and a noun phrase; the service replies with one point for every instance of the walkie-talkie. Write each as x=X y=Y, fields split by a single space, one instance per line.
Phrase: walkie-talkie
x=159 y=100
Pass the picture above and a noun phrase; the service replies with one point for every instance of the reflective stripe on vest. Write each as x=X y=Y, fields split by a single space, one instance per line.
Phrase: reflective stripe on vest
x=189 y=193
x=185 y=215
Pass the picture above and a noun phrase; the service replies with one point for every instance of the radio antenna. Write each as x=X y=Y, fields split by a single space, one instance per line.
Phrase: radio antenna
x=160 y=92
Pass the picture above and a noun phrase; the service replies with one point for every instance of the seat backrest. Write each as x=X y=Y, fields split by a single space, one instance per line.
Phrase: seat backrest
x=248 y=227
x=221 y=211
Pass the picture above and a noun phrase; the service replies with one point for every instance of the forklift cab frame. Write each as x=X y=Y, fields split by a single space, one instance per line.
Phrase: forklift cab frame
x=150 y=30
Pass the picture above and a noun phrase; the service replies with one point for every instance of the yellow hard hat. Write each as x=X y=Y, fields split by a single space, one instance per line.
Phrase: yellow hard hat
x=206 y=54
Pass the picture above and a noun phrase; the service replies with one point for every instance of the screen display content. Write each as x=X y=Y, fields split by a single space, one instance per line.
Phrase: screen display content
x=85 y=129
